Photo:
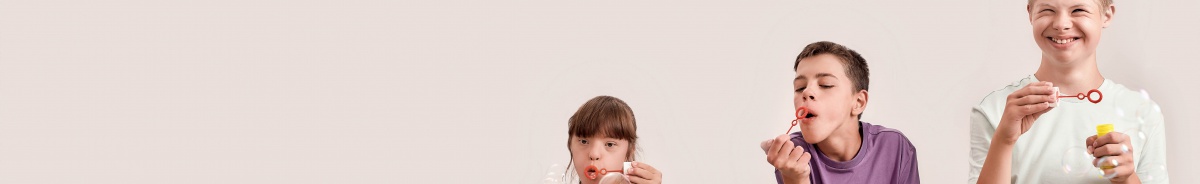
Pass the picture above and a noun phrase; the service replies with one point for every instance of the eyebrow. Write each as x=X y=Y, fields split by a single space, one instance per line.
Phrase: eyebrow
x=1052 y=6
x=819 y=75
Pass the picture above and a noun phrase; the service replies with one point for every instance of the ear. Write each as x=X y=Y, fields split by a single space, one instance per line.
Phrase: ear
x=860 y=102
x=1108 y=14
x=1029 y=11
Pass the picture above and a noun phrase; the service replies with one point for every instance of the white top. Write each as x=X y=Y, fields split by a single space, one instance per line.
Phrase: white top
x=1053 y=150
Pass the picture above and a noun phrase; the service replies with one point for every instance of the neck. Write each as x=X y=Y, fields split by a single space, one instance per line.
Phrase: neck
x=1071 y=77
x=844 y=143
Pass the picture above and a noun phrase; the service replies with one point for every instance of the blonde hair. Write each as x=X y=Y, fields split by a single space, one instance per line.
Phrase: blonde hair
x=1103 y=3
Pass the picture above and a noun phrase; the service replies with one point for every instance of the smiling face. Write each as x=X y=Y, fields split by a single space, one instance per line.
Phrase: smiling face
x=1068 y=31
x=822 y=86
x=602 y=152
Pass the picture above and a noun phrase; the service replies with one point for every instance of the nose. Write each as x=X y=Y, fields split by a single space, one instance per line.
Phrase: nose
x=808 y=94
x=1062 y=22
x=595 y=153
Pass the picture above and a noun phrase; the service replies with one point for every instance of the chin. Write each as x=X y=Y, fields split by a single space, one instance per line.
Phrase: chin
x=813 y=138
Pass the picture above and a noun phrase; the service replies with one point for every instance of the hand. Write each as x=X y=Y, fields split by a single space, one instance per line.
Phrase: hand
x=1113 y=149
x=1022 y=108
x=789 y=159
x=643 y=173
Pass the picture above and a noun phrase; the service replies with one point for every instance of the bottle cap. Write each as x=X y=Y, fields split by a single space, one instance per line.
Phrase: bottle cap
x=1103 y=129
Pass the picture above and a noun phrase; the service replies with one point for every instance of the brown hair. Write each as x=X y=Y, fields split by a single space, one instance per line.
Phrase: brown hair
x=856 y=66
x=604 y=115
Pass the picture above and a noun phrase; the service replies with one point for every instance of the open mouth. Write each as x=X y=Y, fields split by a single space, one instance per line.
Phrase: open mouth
x=809 y=116
x=591 y=172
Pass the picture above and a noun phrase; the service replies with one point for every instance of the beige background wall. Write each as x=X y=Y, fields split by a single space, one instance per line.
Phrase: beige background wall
x=257 y=91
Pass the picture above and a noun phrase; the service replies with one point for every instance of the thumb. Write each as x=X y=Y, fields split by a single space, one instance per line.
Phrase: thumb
x=766 y=144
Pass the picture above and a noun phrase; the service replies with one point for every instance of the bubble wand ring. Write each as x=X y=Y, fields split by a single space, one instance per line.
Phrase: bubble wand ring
x=800 y=114
x=1088 y=96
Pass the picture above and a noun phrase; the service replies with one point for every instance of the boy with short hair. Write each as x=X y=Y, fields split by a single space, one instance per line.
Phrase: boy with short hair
x=1067 y=32
x=833 y=146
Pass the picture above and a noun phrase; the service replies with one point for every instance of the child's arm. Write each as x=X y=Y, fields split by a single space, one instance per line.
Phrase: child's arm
x=981 y=138
x=997 y=168
x=1021 y=110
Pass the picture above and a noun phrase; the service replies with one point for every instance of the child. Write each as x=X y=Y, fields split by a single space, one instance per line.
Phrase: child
x=603 y=133
x=1067 y=32
x=833 y=146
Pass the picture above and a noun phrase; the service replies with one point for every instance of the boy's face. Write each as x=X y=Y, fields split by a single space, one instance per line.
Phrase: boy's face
x=822 y=86
x=603 y=152
x=1068 y=30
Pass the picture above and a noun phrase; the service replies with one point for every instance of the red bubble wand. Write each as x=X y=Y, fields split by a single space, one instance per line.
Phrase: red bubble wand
x=1091 y=93
x=594 y=172
x=800 y=114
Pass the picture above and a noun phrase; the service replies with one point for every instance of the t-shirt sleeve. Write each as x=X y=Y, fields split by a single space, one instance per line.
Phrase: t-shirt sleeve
x=981 y=140
x=908 y=166
x=1152 y=167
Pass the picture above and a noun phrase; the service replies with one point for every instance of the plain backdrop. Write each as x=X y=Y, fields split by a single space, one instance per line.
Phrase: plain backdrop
x=267 y=91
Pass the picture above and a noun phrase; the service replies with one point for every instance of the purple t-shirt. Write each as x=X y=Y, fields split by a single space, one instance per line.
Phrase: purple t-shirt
x=885 y=156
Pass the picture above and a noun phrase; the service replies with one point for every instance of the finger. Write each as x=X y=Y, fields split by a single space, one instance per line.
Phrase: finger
x=1039 y=113
x=784 y=155
x=1033 y=99
x=1088 y=143
x=1042 y=83
x=783 y=144
x=636 y=179
x=796 y=154
x=1118 y=173
x=775 y=148
x=1111 y=138
x=1034 y=89
x=802 y=163
x=1105 y=161
x=1032 y=108
x=1112 y=150
x=766 y=145
x=640 y=173
x=646 y=167
x=804 y=158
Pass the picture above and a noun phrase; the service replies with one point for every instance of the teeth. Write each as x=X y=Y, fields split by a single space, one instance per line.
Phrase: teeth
x=1063 y=41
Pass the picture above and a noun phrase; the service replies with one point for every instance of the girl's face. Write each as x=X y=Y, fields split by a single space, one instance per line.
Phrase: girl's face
x=603 y=152
x=822 y=86
x=1068 y=30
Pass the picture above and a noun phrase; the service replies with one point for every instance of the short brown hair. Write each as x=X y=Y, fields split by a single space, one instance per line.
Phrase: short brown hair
x=856 y=66
x=608 y=116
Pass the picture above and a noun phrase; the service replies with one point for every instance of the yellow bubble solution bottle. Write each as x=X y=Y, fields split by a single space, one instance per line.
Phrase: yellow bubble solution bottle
x=1101 y=130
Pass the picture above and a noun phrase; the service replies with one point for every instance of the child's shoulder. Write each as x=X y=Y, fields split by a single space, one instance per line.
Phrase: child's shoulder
x=1120 y=95
x=998 y=97
x=884 y=135
x=993 y=103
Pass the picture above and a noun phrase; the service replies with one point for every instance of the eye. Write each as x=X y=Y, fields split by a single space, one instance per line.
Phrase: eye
x=583 y=141
x=610 y=144
x=801 y=89
x=1046 y=10
x=826 y=86
x=1079 y=10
